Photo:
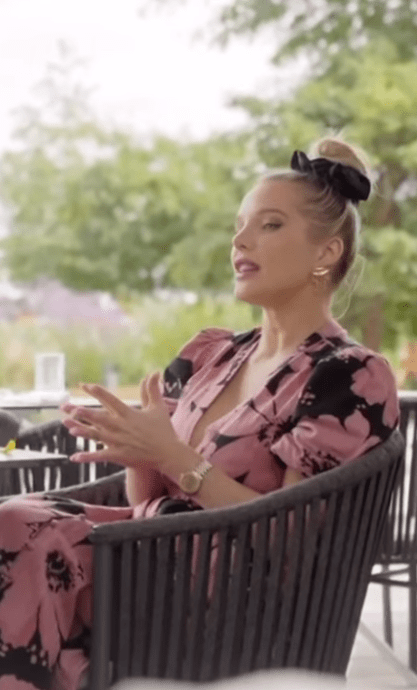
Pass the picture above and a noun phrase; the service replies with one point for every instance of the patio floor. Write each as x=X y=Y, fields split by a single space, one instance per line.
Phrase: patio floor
x=368 y=668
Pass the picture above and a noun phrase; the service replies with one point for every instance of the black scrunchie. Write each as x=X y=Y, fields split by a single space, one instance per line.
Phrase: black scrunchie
x=344 y=179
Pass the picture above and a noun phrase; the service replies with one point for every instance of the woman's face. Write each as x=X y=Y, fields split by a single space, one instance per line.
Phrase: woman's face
x=272 y=255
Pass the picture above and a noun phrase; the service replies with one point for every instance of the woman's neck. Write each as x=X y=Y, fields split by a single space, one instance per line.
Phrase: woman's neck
x=282 y=332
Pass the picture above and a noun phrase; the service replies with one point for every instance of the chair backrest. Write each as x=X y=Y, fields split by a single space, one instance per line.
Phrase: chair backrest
x=54 y=437
x=276 y=582
x=9 y=426
x=106 y=491
x=399 y=539
x=26 y=475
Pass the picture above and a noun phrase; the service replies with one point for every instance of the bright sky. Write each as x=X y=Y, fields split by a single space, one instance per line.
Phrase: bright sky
x=148 y=74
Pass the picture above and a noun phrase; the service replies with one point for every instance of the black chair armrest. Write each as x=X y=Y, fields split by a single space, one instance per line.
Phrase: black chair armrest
x=52 y=437
x=108 y=491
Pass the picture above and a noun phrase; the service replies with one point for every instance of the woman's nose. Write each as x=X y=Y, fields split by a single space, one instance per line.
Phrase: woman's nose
x=243 y=237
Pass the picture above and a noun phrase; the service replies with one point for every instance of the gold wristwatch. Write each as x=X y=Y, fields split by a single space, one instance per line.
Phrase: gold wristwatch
x=190 y=482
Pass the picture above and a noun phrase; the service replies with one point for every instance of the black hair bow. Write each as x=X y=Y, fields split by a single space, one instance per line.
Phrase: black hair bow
x=344 y=179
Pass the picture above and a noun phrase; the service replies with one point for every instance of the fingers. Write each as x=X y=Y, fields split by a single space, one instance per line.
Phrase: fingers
x=105 y=455
x=79 y=415
x=150 y=393
x=144 y=391
x=85 y=431
x=154 y=389
x=107 y=399
x=74 y=412
x=103 y=429
x=67 y=407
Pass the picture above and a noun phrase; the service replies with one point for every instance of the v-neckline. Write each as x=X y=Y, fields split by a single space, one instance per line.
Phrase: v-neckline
x=225 y=376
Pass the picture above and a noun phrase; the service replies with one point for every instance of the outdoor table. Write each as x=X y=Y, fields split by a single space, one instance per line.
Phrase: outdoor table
x=25 y=471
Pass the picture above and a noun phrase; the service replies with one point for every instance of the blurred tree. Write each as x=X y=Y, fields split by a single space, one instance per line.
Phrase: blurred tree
x=98 y=210
x=224 y=168
x=140 y=218
x=318 y=29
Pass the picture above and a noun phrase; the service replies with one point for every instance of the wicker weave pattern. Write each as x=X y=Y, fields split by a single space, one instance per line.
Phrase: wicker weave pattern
x=283 y=586
x=54 y=437
x=397 y=561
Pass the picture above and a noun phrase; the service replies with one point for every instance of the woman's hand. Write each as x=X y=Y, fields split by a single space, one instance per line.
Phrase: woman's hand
x=132 y=436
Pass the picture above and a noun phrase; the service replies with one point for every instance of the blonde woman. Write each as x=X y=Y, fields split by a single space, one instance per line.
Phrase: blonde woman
x=236 y=416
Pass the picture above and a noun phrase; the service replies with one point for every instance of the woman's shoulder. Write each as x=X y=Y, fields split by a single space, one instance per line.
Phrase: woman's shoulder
x=358 y=355
x=207 y=339
x=348 y=375
x=212 y=342
x=204 y=348
x=336 y=345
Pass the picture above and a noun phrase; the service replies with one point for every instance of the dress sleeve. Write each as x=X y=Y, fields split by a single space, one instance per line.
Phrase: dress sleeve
x=348 y=406
x=189 y=361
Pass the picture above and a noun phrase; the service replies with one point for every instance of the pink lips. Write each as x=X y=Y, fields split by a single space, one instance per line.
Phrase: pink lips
x=244 y=268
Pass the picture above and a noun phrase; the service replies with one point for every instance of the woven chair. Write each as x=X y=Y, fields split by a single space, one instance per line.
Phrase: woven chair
x=51 y=437
x=25 y=475
x=397 y=562
x=54 y=437
x=277 y=582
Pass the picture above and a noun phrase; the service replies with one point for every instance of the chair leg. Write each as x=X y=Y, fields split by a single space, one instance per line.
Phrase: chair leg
x=389 y=655
x=412 y=637
x=387 y=614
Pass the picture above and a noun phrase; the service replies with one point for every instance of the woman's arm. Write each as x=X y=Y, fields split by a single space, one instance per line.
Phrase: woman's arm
x=348 y=405
x=145 y=442
x=143 y=483
x=217 y=488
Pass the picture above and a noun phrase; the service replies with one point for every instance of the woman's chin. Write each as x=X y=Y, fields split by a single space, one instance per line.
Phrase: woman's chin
x=243 y=293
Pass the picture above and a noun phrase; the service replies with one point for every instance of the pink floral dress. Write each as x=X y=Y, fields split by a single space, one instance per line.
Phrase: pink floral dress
x=328 y=403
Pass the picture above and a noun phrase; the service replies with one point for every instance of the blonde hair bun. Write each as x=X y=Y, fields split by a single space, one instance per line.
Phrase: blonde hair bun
x=340 y=152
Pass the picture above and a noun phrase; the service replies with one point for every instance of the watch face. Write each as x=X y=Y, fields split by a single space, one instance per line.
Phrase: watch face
x=190 y=482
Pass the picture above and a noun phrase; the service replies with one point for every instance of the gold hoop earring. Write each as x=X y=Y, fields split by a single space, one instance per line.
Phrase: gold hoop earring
x=319 y=275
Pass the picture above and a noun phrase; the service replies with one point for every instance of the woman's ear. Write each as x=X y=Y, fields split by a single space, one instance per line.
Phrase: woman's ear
x=331 y=252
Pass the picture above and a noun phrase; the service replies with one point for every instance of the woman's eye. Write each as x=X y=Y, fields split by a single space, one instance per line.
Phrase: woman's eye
x=272 y=226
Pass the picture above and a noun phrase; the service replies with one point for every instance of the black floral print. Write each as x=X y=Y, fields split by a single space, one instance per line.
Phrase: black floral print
x=7 y=558
x=29 y=663
x=58 y=572
x=328 y=403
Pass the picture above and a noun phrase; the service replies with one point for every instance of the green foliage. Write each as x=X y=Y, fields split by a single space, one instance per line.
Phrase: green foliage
x=20 y=341
x=223 y=169
x=98 y=210
x=317 y=29
x=104 y=224
x=389 y=278
x=85 y=356
x=159 y=329
x=167 y=333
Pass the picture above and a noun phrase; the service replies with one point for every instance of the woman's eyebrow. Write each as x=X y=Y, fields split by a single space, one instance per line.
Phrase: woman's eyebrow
x=273 y=210
x=239 y=219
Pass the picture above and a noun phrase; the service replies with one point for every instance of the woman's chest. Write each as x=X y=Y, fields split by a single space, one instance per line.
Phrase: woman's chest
x=241 y=387
x=246 y=384
x=243 y=403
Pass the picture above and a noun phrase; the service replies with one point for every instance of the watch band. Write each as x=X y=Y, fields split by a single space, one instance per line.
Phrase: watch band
x=202 y=469
x=190 y=482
